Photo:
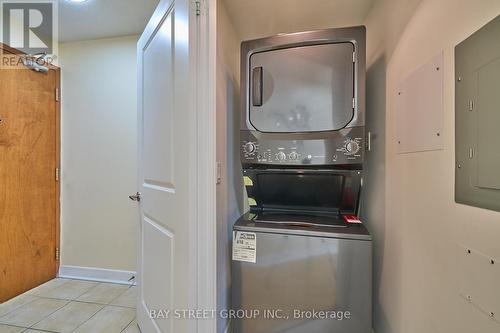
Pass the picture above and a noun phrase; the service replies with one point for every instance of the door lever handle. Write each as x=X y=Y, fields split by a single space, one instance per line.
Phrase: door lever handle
x=135 y=197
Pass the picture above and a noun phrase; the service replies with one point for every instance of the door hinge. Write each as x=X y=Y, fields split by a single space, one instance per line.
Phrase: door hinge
x=471 y=153
x=354 y=103
x=57 y=174
x=57 y=254
x=57 y=94
x=471 y=105
x=369 y=141
x=354 y=56
x=219 y=173
x=197 y=4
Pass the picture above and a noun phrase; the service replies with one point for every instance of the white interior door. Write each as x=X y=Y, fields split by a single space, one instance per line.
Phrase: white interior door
x=167 y=160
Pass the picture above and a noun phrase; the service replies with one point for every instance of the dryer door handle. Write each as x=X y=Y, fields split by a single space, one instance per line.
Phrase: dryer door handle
x=257 y=86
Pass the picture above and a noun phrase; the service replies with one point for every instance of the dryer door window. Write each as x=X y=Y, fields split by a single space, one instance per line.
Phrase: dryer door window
x=302 y=89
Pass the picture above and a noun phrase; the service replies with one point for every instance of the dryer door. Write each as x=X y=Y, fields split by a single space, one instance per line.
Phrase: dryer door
x=302 y=89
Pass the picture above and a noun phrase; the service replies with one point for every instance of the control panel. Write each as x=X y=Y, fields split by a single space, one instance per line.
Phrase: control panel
x=340 y=147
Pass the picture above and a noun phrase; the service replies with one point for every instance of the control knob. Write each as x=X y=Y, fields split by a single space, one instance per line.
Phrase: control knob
x=352 y=147
x=293 y=156
x=281 y=156
x=250 y=148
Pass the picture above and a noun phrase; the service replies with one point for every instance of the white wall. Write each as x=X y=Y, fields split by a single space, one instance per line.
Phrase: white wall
x=99 y=153
x=230 y=190
x=417 y=241
x=385 y=24
x=263 y=18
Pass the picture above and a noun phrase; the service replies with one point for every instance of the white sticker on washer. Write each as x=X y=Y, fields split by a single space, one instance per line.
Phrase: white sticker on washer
x=245 y=246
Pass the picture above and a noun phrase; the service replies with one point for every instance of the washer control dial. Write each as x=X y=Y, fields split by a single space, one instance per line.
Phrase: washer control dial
x=293 y=156
x=281 y=156
x=250 y=148
x=352 y=147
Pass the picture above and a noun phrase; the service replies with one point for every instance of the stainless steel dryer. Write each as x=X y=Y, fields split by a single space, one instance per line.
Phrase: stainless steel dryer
x=303 y=98
x=302 y=147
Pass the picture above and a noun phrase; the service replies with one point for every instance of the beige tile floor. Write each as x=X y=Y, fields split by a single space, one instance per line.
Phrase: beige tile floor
x=65 y=305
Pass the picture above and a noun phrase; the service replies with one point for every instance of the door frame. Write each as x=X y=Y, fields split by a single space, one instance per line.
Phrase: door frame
x=202 y=63
x=58 y=166
x=57 y=96
x=207 y=172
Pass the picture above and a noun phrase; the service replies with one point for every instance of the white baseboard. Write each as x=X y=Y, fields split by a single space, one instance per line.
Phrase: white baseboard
x=96 y=274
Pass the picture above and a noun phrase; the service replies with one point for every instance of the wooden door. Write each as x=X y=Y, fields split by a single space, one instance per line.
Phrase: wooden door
x=167 y=164
x=29 y=191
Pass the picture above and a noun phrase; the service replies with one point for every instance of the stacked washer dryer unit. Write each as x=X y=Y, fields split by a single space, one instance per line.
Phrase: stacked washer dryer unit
x=296 y=263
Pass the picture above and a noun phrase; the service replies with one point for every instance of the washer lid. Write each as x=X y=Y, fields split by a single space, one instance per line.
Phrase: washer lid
x=249 y=222
x=304 y=190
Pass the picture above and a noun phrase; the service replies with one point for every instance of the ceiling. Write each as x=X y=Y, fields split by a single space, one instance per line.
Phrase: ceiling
x=95 y=19
x=260 y=18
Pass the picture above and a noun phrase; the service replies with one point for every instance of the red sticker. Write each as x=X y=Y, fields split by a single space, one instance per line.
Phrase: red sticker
x=351 y=219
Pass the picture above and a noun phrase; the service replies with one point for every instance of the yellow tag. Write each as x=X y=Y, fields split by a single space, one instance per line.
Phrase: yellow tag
x=252 y=202
x=247 y=181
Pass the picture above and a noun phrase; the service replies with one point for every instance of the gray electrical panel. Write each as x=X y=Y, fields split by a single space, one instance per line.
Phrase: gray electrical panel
x=477 y=118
